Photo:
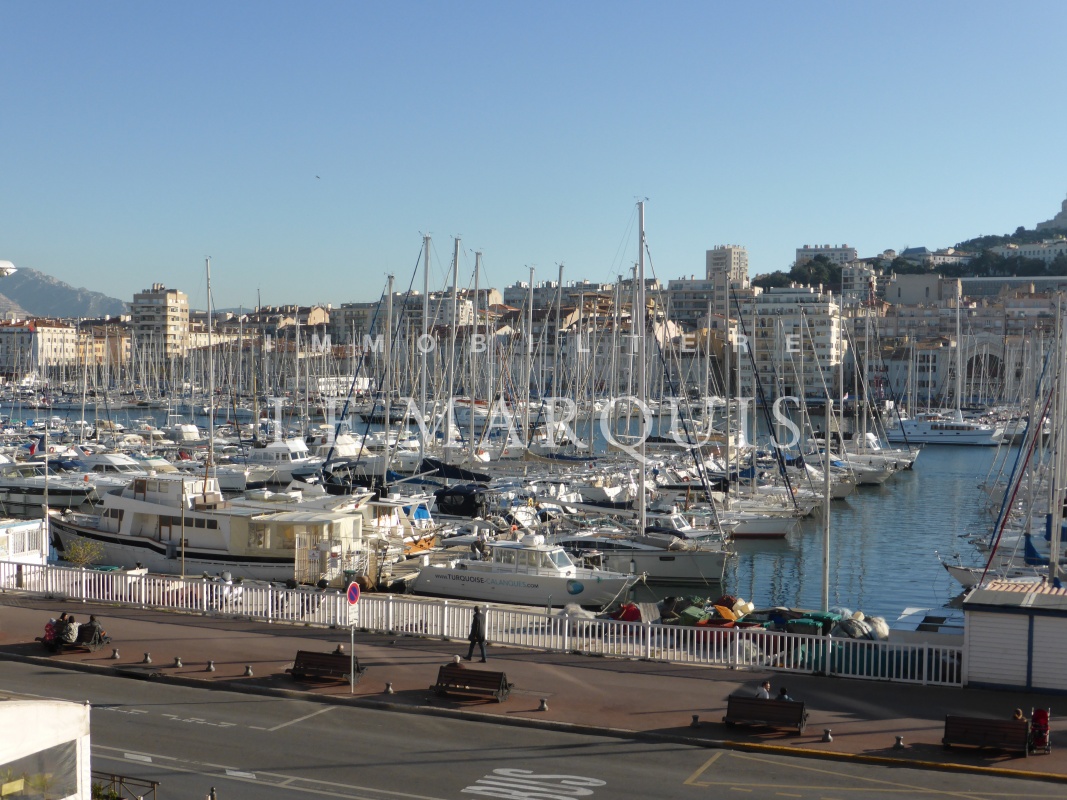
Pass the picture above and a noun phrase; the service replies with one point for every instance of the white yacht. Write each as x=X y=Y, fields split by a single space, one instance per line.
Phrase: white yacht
x=180 y=524
x=663 y=557
x=281 y=455
x=529 y=572
x=934 y=428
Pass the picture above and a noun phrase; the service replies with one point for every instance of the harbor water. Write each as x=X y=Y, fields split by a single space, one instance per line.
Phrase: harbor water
x=884 y=542
x=884 y=539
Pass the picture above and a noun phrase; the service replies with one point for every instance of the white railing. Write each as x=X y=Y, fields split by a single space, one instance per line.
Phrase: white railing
x=746 y=648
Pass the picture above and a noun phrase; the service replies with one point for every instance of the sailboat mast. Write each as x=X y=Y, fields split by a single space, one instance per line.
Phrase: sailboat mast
x=472 y=393
x=642 y=387
x=388 y=377
x=529 y=361
x=210 y=383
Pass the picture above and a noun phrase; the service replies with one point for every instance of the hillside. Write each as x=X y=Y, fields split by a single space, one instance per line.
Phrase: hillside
x=32 y=293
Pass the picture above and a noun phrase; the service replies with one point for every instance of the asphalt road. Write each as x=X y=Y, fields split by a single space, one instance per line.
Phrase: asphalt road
x=259 y=748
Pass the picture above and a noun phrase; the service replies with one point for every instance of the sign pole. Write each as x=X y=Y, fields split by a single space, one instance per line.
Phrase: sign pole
x=353 y=598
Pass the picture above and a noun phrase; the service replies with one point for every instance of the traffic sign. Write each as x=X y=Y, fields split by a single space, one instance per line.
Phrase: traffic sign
x=353 y=593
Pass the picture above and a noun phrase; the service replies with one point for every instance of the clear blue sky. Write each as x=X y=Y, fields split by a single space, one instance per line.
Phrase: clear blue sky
x=306 y=146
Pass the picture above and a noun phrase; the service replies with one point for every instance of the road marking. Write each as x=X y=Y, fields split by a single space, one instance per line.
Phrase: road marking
x=301 y=719
x=292 y=783
x=692 y=779
x=865 y=784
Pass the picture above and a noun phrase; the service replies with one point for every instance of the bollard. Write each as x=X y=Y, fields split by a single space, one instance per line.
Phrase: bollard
x=115 y=654
x=210 y=666
x=696 y=721
x=147 y=658
x=826 y=737
x=177 y=661
x=248 y=670
x=900 y=743
x=544 y=704
x=389 y=688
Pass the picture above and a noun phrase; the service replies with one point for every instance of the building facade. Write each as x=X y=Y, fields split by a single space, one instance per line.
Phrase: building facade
x=159 y=321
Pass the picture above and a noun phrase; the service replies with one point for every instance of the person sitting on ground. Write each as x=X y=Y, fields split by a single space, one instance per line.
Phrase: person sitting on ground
x=49 y=632
x=70 y=632
x=764 y=691
x=91 y=630
x=783 y=694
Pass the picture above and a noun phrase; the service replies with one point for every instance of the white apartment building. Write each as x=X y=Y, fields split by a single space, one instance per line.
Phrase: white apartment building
x=837 y=254
x=35 y=345
x=730 y=259
x=795 y=336
x=159 y=321
x=1046 y=251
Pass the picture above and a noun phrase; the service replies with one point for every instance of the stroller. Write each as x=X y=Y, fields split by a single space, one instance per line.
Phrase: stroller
x=1040 y=735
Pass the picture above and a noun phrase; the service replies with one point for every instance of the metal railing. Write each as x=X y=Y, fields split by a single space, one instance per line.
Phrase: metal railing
x=745 y=648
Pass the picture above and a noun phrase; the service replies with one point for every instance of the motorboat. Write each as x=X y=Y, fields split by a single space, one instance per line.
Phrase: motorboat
x=663 y=557
x=527 y=571
x=934 y=428
x=180 y=524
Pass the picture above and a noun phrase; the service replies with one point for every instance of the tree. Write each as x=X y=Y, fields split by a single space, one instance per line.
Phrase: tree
x=82 y=552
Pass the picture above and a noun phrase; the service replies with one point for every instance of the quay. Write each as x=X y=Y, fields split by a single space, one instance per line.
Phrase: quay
x=617 y=697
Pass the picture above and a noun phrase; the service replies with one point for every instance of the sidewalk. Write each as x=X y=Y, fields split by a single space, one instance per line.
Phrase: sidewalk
x=584 y=694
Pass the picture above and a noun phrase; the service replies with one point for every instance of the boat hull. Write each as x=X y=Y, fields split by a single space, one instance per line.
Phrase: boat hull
x=166 y=557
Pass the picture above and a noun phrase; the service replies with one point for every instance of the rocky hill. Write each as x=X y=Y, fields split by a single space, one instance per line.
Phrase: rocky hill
x=32 y=293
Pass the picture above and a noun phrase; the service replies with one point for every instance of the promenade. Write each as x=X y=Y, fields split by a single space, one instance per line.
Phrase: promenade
x=615 y=697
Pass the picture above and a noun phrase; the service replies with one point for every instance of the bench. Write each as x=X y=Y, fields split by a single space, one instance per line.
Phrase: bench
x=336 y=665
x=742 y=710
x=1003 y=734
x=457 y=679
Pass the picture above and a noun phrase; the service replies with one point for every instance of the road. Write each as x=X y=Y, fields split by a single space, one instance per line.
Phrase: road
x=261 y=748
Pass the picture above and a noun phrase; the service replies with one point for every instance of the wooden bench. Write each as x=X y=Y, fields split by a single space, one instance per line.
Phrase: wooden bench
x=742 y=710
x=1003 y=734
x=311 y=664
x=457 y=679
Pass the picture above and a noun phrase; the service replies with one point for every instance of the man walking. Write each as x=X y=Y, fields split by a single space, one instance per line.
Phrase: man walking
x=477 y=634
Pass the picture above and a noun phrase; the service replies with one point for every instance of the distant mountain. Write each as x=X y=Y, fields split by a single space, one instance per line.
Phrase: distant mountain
x=32 y=293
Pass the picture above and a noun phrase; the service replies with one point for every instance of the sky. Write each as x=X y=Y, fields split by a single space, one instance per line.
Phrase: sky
x=307 y=147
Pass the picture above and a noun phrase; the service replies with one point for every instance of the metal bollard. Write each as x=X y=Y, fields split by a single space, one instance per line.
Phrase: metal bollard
x=115 y=654
x=544 y=704
x=900 y=743
x=389 y=688
x=248 y=670
x=826 y=737
x=177 y=661
x=147 y=658
x=210 y=666
x=696 y=721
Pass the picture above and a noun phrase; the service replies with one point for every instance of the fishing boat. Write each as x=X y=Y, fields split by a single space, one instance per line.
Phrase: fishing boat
x=527 y=571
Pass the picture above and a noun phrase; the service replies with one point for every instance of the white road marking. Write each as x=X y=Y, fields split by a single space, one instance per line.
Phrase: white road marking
x=301 y=719
x=235 y=773
x=137 y=757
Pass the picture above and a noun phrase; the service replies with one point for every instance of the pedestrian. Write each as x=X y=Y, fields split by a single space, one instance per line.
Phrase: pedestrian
x=783 y=694
x=477 y=634
x=764 y=691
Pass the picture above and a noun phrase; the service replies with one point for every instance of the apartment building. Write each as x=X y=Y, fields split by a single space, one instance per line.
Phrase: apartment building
x=35 y=345
x=795 y=337
x=837 y=254
x=159 y=321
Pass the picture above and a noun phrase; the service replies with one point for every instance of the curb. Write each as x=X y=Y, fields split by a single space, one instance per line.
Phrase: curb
x=528 y=722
